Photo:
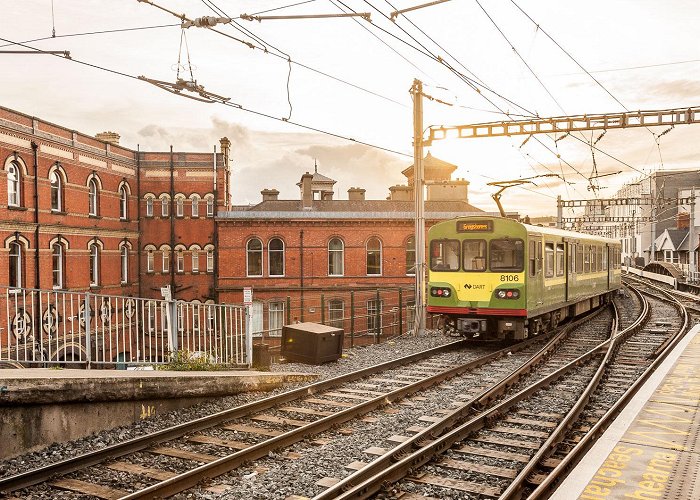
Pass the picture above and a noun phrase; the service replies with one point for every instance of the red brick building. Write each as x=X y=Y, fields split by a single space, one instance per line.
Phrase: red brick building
x=83 y=213
x=320 y=259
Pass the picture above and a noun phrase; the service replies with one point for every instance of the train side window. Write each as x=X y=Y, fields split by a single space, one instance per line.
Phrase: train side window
x=532 y=256
x=606 y=249
x=474 y=255
x=539 y=255
x=579 y=258
x=572 y=258
x=444 y=255
x=593 y=258
x=560 y=259
x=586 y=258
x=548 y=260
x=507 y=255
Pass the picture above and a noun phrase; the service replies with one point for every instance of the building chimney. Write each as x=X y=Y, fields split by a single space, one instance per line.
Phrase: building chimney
x=110 y=137
x=356 y=194
x=307 y=197
x=401 y=193
x=270 y=194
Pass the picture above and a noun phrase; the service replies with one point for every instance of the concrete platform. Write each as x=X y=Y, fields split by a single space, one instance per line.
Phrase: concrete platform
x=652 y=450
x=40 y=406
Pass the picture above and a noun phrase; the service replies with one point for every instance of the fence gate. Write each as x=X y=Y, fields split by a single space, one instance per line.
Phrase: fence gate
x=40 y=327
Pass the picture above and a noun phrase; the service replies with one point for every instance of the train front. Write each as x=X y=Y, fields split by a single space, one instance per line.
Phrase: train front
x=476 y=276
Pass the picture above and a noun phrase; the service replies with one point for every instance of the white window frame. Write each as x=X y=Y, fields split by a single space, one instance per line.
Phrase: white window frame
x=179 y=207
x=195 y=261
x=93 y=197
x=408 y=251
x=17 y=259
x=210 y=206
x=331 y=252
x=166 y=260
x=58 y=188
x=57 y=272
x=275 y=318
x=271 y=253
x=180 y=261
x=14 y=185
x=165 y=207
x=247 y=259
x=195 y=206
x=210 y=260
x=123 y=203
x=94 y=264
x=150 y=261
x=124 y=260
x=380 y=257
x=149 y=207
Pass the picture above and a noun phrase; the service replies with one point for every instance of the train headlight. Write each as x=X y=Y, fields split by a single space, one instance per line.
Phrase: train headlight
x=440 y=292
x=507 y=294
x=446 y=292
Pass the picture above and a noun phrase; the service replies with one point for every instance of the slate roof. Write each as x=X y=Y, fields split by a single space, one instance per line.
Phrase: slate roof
x=349 y=209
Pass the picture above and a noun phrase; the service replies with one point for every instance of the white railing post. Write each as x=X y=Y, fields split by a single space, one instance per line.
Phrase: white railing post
x=172 y=325
x=248 y=335
x=88 y=328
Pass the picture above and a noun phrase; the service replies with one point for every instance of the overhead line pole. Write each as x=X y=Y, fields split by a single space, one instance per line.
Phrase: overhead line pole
x=418 y=184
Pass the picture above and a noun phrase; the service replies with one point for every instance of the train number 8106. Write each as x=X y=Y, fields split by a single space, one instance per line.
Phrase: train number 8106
x=510 y=277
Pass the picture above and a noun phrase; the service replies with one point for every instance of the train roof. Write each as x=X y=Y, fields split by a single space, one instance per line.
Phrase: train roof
x=546 y=230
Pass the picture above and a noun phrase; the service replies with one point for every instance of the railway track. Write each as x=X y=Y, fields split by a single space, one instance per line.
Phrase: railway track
x=160 y=464
x=524 y=444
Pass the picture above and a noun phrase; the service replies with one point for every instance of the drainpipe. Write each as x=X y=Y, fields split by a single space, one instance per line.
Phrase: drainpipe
x=301 y=272
x=37 y=280
x=138 y=216
x=173 y=261
x=216 y=234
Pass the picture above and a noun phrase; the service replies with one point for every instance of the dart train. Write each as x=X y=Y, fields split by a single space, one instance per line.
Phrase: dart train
x=496 y=278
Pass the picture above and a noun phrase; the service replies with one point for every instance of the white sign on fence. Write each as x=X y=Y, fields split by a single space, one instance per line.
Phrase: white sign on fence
x=247 y=296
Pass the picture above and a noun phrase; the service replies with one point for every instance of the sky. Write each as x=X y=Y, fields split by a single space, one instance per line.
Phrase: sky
x=347 y=80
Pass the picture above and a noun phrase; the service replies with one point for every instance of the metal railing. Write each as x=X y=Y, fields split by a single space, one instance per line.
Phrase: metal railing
x=50 y=327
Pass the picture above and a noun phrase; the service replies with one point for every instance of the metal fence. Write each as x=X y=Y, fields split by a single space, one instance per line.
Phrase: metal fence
x=49 y=327
x=364 y=315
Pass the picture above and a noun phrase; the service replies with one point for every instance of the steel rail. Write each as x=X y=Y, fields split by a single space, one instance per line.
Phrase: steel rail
x=514 y=490
x=404 y=465
x=545 y=488
x=228 y=463
x=375 y=471
x=35 y=476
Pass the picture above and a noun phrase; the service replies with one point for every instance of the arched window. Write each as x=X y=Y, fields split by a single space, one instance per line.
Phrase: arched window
x=124 y=254
x=411 y=256
x=165 y=251
x=56 y=190
x=210 y=259
x=336 y=257
x=93 y=197
x=374 y=257
x=123 y=202
x=94 y=264
x=195 y=205
x=58 y=256
x=13 y=184
x=180 y=256
x=254 y=257
x=180 y=206
x=275 y=255
x=165 y=206
x=195 y=260
x=210 y=206
x=149 y=205
x=150 y=258
x=15 y=265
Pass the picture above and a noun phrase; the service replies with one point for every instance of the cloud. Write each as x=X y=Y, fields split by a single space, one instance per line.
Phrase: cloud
x=680 y=90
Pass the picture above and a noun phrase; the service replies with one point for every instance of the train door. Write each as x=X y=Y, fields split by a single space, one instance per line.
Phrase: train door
x=536 y=275
x=569 y=266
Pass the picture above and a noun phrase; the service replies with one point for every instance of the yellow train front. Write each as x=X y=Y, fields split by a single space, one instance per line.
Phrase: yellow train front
x=495 y=278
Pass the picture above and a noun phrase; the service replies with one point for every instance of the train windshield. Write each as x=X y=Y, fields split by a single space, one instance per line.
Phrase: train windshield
x=474 y=255
x=444 y=255
x=506 y=255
